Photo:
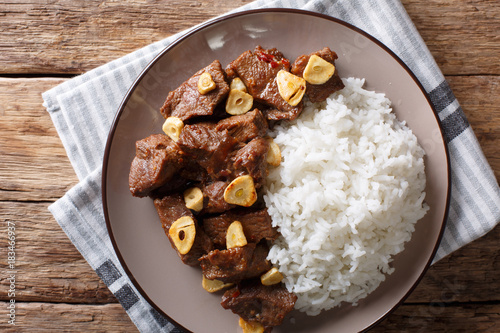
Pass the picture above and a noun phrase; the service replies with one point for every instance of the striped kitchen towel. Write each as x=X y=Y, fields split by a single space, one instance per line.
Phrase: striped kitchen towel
x=83 y=109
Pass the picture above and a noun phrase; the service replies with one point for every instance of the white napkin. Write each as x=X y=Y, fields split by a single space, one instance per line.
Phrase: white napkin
x=83 y=109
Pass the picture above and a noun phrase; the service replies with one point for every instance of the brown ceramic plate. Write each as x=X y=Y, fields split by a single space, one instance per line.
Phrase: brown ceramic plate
x=175 y=289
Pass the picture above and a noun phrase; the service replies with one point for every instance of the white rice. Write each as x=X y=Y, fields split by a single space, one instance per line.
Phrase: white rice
x=345 y=198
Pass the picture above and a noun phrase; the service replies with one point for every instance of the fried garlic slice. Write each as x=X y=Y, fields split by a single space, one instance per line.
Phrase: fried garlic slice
x=291 y=87
x=241 y=191
x=205 y=83
x=318 y=70
x=235 y=237
x=238 y=102
x=173 y=127
x=193 y=197
x=183 y=232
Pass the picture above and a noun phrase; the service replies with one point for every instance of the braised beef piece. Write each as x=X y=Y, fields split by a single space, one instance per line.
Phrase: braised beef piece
x=193 y=171
x=254 y=302
x=251 y=160
x=258 y=70
x=245 y=127
x=213 y=194
x=319 y=92
x=186 y=102
x=236 y=264
x=170 y=209
x=222 y=156
x=257 y=225
x=208 y=147
x=175 y=185
x=157 y=159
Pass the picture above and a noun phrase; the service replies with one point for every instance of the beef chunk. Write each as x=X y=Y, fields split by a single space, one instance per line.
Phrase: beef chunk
x=245 y=127
x=157 y=159
x=193 y=171
x=176 y=184
x=235 y=264
x=258 y=70
x=170 y=209
x=222 y=157
x=186 y=102
x=319 y=92
x=209 y=147
x=251 y=160
x=257 y=225
x=213 y=194
x=255 y=302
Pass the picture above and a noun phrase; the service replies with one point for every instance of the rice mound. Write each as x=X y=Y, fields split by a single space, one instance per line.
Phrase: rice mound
x=345 y=198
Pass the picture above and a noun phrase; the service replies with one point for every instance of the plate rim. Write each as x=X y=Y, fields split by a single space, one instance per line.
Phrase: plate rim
x=234 y=15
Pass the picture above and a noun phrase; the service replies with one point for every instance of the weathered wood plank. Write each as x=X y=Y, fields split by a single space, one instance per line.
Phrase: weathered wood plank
x=54 y=271
x=75 y=36
x=470 y=274
x=461 y=35
x=48 y=266
x=437 y=317
x=34 y=164
x=43 y=317
x=50 y=317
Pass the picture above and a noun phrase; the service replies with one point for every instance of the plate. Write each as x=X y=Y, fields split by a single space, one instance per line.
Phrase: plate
x=143 y=249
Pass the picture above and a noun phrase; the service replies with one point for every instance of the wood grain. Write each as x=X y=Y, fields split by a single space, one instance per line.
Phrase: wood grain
x=461 y=35
x=467 y=275
x=76 y=36
x=34 y=163
x=50 y=268
x=439 y=317
x=40 y=317
x=44 y=43
x=60 y=317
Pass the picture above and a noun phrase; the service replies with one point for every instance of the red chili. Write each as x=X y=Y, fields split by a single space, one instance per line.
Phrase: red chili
x=274 y=64
x=265 y=57
x=236 y=294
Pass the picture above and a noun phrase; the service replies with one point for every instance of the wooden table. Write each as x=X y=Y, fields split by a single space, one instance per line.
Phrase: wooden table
x=44 y=43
